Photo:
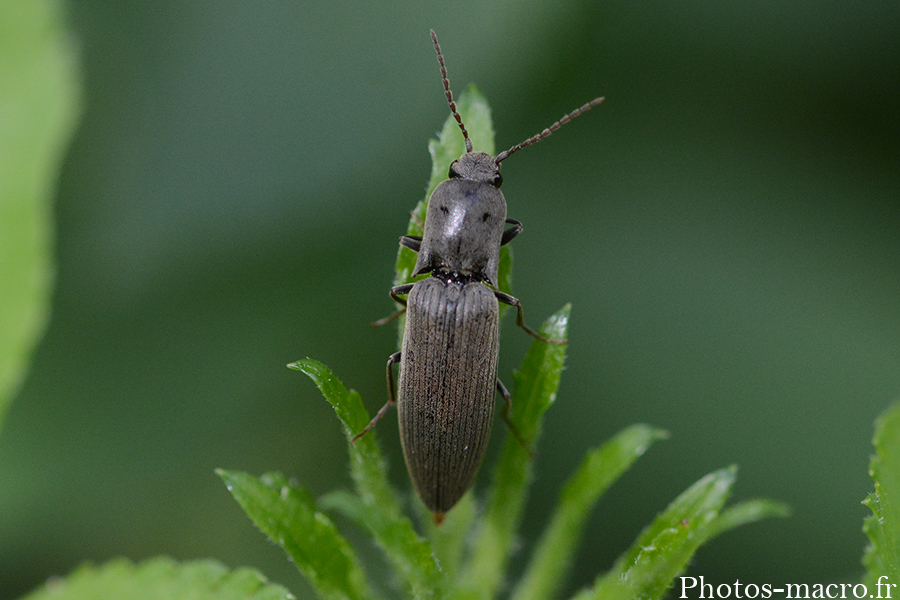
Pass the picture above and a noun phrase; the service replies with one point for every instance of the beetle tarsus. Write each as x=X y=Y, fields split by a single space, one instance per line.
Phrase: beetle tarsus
x=507 y=400
x=396 y=292
x=395 y=357
x=387 y=319
x=520 y=318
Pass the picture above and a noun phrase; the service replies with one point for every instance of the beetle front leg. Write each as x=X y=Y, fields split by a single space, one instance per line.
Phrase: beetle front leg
x=392 y=400
x=413 y=242
x=512 y=232
x=520 y=317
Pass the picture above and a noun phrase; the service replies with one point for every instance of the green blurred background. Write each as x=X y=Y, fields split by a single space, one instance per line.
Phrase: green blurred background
x=726 y=225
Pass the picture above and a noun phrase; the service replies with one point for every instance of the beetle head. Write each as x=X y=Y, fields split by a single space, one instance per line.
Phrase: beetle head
x=477 y=166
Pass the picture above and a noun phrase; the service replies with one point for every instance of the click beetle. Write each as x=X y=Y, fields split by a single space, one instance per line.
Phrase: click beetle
x=448 y=358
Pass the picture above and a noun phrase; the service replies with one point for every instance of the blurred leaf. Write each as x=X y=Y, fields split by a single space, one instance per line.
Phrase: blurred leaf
x=748 y=512
x=288 y=517
x=39 y=106
x=535 y=390
x=381 y=514
x=600 y=468
x=663 y=549
x=451 y=539
x=882 y=557
x=347 y=503
x=160 y=578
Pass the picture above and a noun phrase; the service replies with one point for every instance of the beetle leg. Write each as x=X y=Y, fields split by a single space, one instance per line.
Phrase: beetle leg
x=401 y=290
x=396 y=292
x=413 y=242
x=507 y=403
x=512 y=232
x=520 y=317
x=393 y=358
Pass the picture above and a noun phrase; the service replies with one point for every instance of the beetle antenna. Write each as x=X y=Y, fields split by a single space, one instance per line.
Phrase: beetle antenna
x=545 y=133
x=448 y=93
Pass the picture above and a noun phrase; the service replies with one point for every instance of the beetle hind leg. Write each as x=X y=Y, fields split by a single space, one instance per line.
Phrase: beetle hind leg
x=393 y=358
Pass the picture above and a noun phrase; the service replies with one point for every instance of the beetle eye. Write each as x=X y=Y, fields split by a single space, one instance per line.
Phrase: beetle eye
x=453 y=174
x=498 y=180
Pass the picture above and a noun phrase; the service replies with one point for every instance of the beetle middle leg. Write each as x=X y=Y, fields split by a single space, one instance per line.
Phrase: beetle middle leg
x=507 y=403
x=392 y=400
x=396 y=292
x=520 y=317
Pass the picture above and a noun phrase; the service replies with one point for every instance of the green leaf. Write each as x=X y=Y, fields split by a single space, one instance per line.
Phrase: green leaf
x=663 y=549
x=449 y=540
x=347 y=503
x=347 y=404
x=599 y=470
x=160 y=578
x=535 y=390
x=288 y=516
x=745 y=513
x=450 y=144
x=882 y=557
x=39 y=107
x=537 y=380
x=379 y=508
